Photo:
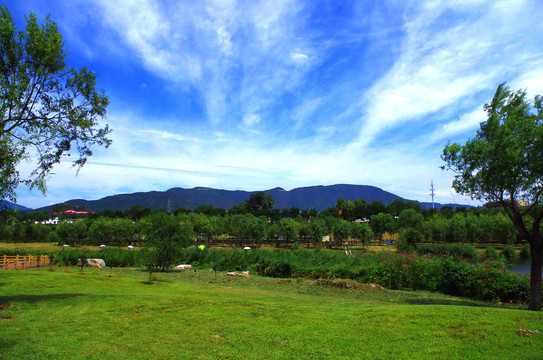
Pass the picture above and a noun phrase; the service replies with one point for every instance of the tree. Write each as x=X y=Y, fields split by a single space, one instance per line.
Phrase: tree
x=504 y=164
x=410 y=218
x=457 y=228
x=47 y=108
x=341 y=231
x=362 y=232
x=396 y=206
x=288 y=229
x=317 y=229
x=164 y=236
x=259 y=201
x=380 y=224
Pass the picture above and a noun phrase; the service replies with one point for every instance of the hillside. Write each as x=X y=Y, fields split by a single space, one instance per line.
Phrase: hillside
x=317 y=197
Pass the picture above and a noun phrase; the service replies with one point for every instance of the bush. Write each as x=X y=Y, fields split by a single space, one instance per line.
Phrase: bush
x=509 y=252
x=409 y=238
x=525 y=252
x=491 y=252
x=465 y=251
x=278 y=270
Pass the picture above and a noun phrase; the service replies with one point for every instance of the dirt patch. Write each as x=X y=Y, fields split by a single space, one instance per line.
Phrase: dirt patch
x=348 y=284
x=149 y=283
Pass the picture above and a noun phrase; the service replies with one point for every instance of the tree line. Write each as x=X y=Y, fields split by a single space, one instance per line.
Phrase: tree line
x=246 y=223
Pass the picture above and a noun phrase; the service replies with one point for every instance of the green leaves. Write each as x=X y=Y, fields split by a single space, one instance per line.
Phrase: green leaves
x=48 y=109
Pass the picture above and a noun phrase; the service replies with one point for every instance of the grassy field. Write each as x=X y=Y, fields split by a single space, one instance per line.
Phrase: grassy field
x=63 y=314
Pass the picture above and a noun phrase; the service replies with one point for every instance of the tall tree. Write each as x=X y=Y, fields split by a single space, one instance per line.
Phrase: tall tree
x=259 y=201
x=48 y=109
x=504 y=164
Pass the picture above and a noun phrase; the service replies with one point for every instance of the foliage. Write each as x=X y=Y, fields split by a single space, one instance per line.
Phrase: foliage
x=409 y=238
x=509 y=252
x=525 y=252
x=381 y=223
x=491 y=253
x=362 y=232
x=317 y=230
x=504 y=164
x=164 y=237
x=465 y=251
x=259 y=201
x=341 y=231
x=47 y=107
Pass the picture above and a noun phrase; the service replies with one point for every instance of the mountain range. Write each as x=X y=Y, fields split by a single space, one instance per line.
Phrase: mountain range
x=316 y=197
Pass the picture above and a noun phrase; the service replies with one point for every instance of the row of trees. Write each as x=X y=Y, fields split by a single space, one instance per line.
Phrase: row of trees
x=248 y=228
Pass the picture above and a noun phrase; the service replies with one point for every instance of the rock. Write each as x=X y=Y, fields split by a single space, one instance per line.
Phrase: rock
x=183 y=267
x=235 y=273
x=97 y=263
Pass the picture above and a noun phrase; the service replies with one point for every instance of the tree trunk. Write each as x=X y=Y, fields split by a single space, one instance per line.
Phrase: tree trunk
x=536 y=251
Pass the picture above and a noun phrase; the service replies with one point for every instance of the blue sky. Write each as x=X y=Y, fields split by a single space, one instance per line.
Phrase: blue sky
x=252 y=95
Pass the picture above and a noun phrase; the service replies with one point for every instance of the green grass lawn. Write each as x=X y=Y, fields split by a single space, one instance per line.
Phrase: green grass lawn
x=63 y=314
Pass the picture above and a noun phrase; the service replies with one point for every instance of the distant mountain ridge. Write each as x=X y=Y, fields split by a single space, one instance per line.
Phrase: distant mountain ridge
x=318 y=197
x=9 y=205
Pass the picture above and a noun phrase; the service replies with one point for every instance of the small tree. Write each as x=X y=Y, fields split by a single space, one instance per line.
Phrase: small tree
x=164 y=238
x=504 y=164
x=380 y=224
x=362 y=232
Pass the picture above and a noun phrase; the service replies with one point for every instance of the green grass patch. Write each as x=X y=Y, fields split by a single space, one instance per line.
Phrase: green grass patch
x=64 y=314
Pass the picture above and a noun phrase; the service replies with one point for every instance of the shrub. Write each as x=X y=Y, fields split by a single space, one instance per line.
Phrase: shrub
x=509 y=252
x=465 y=251
x=525 y=252
x=491 y=252
x=409 y=238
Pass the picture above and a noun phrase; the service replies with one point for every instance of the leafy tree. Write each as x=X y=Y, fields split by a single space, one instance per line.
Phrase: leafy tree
x=376 y=207
x=136 y=212
x=238 y=209
x=288 y=229
x=123 y=230
x=396 y=206
x=446 y=211
x=317 y=229
x=362 y=232
x=47 y=108
x=409 y=238
x=100 y=231
x=341 y=231
x=164 y=237
x=380 y=224
x=504 y=164
x=457 y=231
x=410 y=218
x=257 y=229
x=473 y=228
x=259 y=201
x=438 y=227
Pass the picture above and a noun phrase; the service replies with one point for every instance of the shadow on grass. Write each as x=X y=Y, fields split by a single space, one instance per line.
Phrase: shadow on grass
x=6 y=344
x=415 y=301
x=33 y=299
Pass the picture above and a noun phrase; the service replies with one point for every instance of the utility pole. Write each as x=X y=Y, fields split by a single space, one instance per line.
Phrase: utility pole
x=169 y=205
x=432 y=193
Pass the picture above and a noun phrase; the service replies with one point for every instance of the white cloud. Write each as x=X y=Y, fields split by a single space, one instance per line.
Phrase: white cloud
x=440 y=65
x=468 y=121
x=299 y=57
x=251 y=119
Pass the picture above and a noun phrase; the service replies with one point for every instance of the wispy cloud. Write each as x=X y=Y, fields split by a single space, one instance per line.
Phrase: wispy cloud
x=257 y=94
x=445 y=58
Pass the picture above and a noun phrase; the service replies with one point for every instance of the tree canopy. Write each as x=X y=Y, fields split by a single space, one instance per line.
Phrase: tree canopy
x=504 y=164
x=49 y=110
x=259 y=201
